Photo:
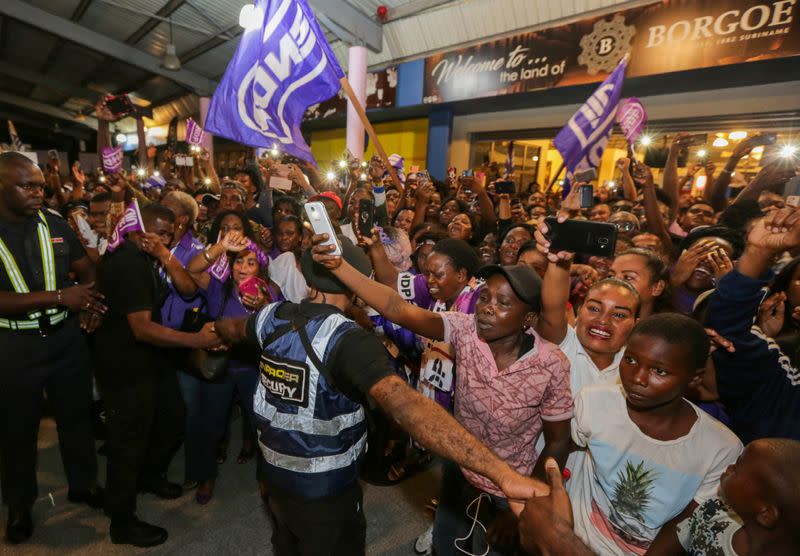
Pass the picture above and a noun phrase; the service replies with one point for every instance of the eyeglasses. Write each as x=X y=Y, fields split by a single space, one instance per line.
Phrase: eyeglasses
x=626 y=227
x=31 y=186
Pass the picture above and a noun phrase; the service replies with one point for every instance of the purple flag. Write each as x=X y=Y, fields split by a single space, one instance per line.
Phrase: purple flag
x=631 y=117
x=112 y=159
x=581 y=142
x=131 y=221
x=194 y=133
x=279 y=69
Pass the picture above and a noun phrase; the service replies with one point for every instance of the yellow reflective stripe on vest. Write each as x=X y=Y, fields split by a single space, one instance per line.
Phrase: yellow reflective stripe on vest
x=48 y=267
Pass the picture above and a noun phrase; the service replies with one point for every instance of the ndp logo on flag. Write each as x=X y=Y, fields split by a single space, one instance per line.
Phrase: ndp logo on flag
x=283 y=65
x=257 y=92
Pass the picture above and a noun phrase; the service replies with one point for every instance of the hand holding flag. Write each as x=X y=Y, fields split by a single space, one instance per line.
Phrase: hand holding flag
x=131 y=221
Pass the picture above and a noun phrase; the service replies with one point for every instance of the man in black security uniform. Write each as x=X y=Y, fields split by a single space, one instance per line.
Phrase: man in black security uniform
x=318 y=369
x=41 y=344
x=144 y=407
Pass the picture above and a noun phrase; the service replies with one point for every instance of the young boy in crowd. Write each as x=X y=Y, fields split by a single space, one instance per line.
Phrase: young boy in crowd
x=758 y=509
x=653 y=456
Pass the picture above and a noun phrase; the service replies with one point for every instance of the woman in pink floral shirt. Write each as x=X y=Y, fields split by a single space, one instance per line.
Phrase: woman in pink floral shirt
x=511 y=386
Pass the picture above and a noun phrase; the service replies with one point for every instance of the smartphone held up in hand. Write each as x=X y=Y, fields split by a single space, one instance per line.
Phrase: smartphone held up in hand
x=581 y=236
x=366 y=216
x=119 y=105
x=321 y=224
x=252 y=286
x=505 y=187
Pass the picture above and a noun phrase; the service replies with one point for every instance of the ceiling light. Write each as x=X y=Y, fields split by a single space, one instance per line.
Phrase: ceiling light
x=250 y=17
x=171 y=61
x=121 y=138
x=646 y=140
x=720 y=142
x=788 y=151
x=737 y=135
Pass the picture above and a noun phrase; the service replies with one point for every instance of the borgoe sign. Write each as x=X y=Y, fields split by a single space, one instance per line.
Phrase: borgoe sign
x=661 y=37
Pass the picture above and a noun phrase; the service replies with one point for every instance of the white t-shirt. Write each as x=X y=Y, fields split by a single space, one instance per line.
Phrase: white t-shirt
x=631 y=484
x=284 y=272
x=583 y=372
x=709 y=530
x=347 y=231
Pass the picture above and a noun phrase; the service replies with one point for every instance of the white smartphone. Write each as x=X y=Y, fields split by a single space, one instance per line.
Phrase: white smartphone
x=321 y=224
x=282 y=184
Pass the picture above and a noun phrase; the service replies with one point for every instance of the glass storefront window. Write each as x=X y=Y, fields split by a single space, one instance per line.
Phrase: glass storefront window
x=537 y=160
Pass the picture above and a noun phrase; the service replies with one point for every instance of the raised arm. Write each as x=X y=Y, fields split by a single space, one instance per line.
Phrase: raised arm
x=671 y=184
x=772 y=177
x=655 y=222
x=382 y=298
x=552 y=325
x=183 y=282
x=628 y=187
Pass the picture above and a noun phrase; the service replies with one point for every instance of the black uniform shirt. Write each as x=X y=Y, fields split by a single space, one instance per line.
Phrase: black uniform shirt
x=131 y=283
x=22 y=239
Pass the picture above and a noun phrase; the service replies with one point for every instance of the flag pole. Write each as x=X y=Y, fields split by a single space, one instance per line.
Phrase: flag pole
x=370 y=131
x=555 y=178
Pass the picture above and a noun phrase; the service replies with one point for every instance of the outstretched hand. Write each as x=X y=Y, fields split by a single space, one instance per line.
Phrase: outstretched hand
x=778 y=231
x=546 y=521
x=543 y=245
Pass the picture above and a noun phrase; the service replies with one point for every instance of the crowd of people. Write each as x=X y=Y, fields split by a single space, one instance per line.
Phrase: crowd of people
x=643 y=402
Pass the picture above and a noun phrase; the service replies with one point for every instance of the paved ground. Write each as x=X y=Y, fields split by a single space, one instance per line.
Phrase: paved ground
x=233 y=523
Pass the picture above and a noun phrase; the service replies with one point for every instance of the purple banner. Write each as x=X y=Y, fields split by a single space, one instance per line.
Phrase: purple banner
x=279 y=69
x=112 y=159
x=631 y=117
x=131 y=221
x=194 y=133
x=582 y=141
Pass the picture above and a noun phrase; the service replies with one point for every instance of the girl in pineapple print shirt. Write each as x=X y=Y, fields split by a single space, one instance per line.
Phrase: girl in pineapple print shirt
x=653 y=456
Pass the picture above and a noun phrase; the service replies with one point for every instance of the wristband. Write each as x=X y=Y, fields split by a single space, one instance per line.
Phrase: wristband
x=206 y=256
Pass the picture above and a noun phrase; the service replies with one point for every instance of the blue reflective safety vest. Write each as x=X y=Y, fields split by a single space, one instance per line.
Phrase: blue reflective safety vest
x=312 y=435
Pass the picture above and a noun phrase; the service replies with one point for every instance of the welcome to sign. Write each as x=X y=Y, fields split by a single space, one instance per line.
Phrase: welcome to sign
x=663 y=37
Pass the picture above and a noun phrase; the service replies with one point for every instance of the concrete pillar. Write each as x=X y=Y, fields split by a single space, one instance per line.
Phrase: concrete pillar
x=357 y=75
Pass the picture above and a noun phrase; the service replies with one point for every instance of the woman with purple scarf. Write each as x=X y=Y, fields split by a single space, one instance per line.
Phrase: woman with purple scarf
x=233 y=274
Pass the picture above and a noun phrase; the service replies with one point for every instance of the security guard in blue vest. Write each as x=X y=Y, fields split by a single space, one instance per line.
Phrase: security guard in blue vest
x=318 y=369
x=41 y=344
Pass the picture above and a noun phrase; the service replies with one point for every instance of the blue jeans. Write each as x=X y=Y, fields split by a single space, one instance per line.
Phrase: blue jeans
x=451 y=521
x=207 y=408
